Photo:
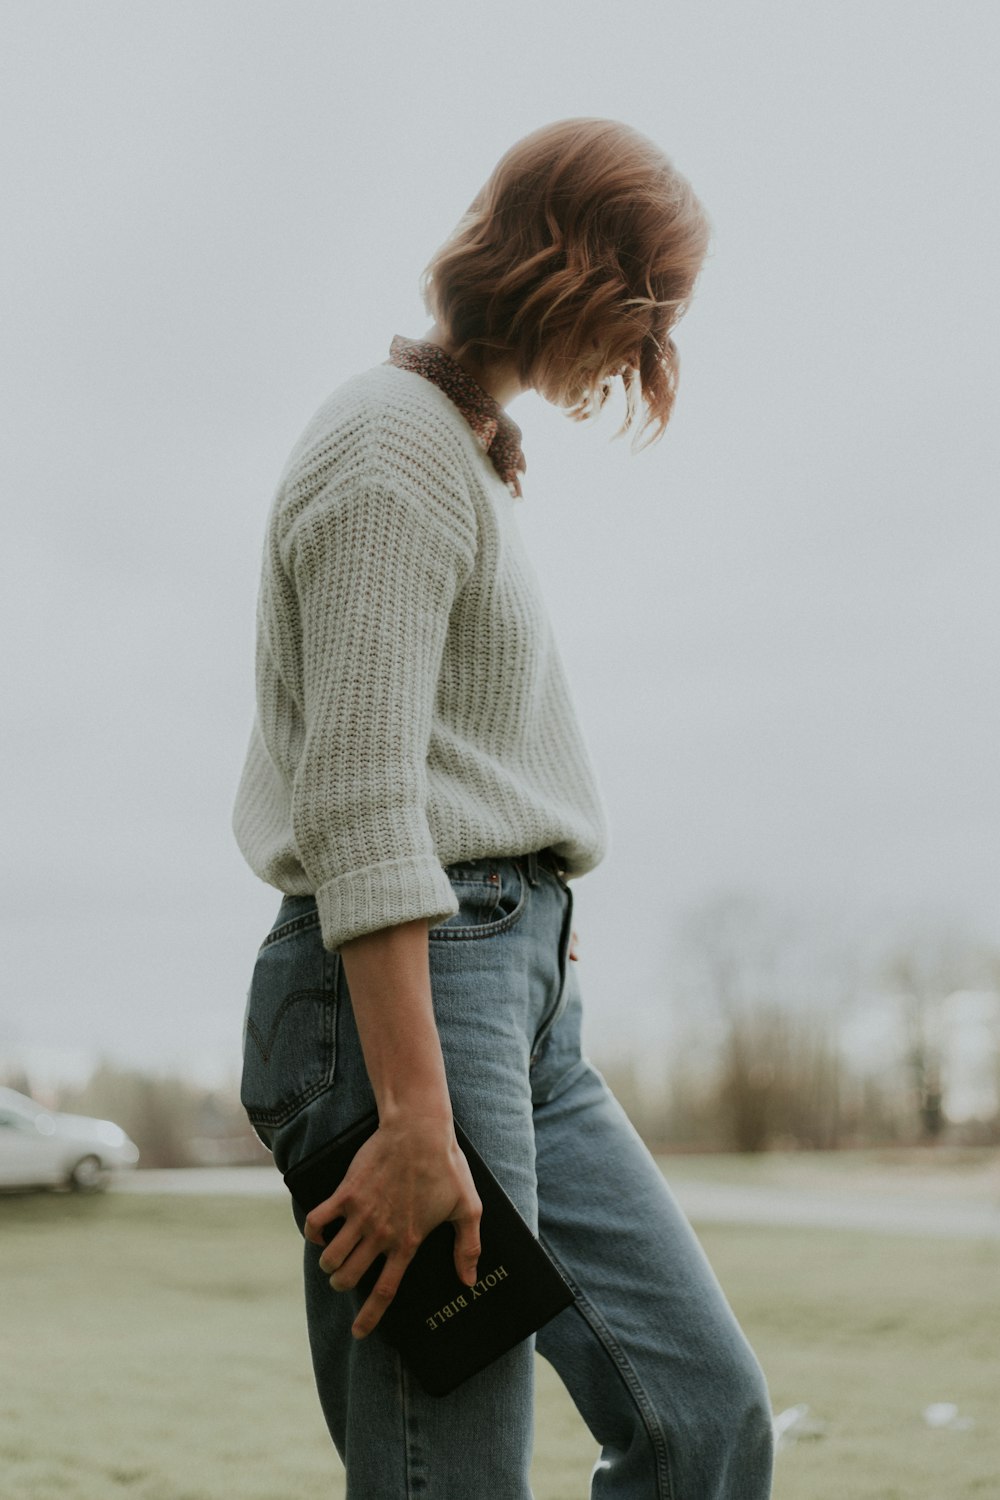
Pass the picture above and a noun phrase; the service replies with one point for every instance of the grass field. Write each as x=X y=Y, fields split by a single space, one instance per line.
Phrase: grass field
x=943 y=1173
x=154 y=1348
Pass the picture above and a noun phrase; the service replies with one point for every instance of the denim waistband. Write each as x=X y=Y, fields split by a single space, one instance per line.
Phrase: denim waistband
x=546 y=858
x=531 y=863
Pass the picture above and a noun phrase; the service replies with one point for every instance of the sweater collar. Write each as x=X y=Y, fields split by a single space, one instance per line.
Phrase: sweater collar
x=497 y=433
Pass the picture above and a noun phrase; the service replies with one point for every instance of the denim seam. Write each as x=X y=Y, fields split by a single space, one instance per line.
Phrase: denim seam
x=547 y=1023
x=565 y=1080
x=414 y=1481
x=657 y=1437
x=294 y=924
x=481 y=930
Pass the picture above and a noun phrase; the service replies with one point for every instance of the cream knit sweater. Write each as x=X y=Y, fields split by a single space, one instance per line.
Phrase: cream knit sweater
x=411 y=706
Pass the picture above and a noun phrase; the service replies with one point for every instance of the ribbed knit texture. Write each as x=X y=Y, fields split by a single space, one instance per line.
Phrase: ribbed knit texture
x=495 y=429
x=412 y=709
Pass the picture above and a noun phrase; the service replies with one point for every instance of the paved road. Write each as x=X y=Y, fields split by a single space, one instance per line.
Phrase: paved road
x=703 y=1202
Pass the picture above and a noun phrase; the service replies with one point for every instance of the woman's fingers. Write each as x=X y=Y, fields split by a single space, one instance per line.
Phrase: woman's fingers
x=573 y=953
x=319 y=1220
x=382 y=1293
x=467 y=1246
x=394 y=1194
x=346 y=1259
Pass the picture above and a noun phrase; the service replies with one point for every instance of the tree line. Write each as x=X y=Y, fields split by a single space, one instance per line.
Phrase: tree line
x=757 y=1058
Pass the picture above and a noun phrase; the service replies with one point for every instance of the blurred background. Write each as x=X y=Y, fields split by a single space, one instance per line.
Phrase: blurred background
x=780 y=623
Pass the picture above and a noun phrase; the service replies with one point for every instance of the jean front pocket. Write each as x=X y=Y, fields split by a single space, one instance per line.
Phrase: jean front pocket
x=491 y=895
x=290 y=1030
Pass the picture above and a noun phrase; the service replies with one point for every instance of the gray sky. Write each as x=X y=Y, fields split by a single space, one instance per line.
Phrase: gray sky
x=780 y=623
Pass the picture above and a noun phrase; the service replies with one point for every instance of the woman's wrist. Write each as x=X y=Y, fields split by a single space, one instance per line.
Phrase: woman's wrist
x=388 y=978
x=406 y=1105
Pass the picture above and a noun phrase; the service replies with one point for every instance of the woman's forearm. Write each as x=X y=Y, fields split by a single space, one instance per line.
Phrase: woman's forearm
x=388 y=975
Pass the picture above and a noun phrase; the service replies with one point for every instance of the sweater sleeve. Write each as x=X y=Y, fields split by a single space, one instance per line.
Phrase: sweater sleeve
x=375 y=573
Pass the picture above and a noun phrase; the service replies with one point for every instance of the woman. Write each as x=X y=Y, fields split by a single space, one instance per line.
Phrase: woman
x=417 y=786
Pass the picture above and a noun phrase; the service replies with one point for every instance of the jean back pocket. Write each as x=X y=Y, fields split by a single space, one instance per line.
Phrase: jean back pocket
x=290 y=1029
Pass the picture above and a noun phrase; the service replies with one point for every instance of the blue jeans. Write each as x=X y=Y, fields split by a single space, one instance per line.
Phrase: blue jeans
x=651 y=1352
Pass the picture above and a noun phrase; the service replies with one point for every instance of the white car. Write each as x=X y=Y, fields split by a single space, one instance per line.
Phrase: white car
x=42 y=1148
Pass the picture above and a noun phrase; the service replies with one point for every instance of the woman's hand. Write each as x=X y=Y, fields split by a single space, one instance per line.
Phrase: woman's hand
x=572 y=945
x=406 y=1179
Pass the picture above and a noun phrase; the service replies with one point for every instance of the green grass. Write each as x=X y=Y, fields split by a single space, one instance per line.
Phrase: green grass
x=155 y=1348
x=945 y=1173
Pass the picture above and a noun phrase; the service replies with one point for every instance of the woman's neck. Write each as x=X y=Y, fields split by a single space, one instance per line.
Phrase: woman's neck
x=497 y=376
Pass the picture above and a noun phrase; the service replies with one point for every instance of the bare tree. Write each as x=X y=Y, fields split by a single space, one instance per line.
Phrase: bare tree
x=923 y=967
x=778 y=1074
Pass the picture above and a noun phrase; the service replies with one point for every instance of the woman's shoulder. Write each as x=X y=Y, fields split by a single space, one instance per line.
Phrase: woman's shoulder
x=386 y=416
x=383 y=426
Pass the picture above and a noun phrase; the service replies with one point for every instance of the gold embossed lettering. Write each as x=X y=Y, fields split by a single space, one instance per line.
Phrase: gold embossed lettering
x=471 y=1294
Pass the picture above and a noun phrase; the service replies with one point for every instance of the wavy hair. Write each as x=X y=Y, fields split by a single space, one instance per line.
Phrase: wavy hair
x=576 y=259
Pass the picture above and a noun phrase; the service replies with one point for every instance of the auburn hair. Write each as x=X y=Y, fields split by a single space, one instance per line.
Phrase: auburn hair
x=576 y=259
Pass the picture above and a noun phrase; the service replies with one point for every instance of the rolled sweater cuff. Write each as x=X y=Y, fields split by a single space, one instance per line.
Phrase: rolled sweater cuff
x=383 y=895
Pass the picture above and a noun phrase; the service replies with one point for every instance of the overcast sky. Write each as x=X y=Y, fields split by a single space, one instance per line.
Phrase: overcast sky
x=780 y=623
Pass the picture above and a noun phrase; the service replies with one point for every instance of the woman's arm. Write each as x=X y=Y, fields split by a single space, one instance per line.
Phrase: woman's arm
x=376 y=573
x=410 y=1175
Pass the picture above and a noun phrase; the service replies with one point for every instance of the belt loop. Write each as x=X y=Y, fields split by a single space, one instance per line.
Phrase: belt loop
x=533 y=867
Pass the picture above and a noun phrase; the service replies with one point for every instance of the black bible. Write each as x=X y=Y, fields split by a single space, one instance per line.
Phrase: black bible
x=444 y=1330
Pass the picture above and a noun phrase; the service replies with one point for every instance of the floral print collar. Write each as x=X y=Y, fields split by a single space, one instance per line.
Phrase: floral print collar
x=498 y=434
